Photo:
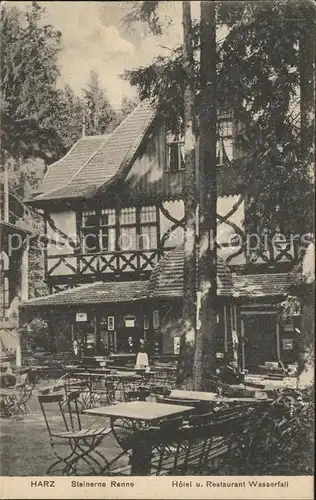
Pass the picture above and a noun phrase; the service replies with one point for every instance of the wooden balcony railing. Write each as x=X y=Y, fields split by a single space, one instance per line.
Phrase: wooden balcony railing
x=103 y=263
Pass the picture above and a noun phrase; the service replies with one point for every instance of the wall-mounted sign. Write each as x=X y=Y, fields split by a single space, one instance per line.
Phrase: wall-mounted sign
x=111 y=323
x=129 y=321
x=219 y=355
x=81 y=317
x=287 y=344
x=176 y=345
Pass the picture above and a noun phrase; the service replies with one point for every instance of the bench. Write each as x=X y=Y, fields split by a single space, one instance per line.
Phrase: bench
x=201 y=446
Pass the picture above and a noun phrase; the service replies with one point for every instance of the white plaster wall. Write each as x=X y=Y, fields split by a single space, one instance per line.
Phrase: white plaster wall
x=224 y=230
x=176 y=209
x=224 y=205
x=66 y=222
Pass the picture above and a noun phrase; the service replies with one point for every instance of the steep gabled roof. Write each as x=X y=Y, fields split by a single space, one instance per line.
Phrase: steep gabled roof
x=95 y=161
x=59 y=174
x=167 y=278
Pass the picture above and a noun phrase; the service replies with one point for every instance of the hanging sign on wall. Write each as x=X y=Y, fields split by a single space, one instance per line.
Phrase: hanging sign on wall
x=129 y=321
x=81 y=317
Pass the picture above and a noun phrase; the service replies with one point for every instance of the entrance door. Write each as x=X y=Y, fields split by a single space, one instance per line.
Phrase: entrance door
x=260 y=340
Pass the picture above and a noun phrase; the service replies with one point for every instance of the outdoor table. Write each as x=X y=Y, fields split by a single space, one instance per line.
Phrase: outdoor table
x=214 y=398
x=201 y=396
x=125 y=375
x=72 y=368
x=245 y=400
x=88 y=378
x=165 y=368
x=140 y=412
x=95 y=371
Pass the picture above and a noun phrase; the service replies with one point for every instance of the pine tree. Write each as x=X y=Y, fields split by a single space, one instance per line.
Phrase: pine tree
x=98 y=110
x=207 y=262
x=68 y=116
x=29 y=73
x=185 y=368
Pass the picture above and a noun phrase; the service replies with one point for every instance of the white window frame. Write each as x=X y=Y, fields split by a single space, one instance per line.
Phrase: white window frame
x=180 y=167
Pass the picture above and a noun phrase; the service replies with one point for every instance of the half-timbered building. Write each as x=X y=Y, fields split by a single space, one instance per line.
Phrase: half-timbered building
x=114 y=217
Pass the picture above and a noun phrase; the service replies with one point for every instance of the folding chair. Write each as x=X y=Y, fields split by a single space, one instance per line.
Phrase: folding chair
x=137 y=395
x=14 y=401
x=72 y=445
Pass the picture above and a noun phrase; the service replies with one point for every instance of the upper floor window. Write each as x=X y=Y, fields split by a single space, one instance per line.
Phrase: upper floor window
x=130 y=228
x=128 y=233
x=108 y=229
x=225 y=144
x=175 y=152
x=90 y=231
x=148 y=228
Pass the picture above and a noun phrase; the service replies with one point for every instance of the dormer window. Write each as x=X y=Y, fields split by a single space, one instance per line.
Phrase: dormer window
x=175 y=153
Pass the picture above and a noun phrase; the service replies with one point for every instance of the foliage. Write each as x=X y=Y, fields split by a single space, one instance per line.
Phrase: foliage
x=39 y=122
x=280 y=440
x=67 y=116
x=145 y=12
x=258 y=77
x=38 y=334
x=127 y=106
x=98 y=110
x=29 y=51
x=165 y=78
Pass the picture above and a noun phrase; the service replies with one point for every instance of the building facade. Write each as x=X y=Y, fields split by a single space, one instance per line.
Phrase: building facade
x=14 y=246
x=114 y=218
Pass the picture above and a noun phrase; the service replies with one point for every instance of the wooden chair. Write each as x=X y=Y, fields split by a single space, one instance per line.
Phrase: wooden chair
x=71 y=444
x=14 y=401
x=138 y=395
x=202 y=446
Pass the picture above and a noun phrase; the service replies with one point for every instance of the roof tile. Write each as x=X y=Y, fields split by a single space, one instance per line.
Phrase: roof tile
x=94 y=293
x=167 y=278
x=261 y=285
x=95 y=160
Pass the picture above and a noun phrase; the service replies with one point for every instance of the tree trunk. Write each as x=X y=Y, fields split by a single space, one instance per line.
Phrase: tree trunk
x=307 y=89
x=203 y=358
x=306 y=345
x=185 y=364
x=307 y=108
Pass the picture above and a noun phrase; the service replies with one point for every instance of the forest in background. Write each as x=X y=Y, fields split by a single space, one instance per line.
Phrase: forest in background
x=39 y=120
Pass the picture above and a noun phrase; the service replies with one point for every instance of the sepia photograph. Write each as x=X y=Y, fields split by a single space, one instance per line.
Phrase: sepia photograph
x=157 y=260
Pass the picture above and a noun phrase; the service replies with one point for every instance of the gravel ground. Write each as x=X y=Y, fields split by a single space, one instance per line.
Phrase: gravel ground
x=25 y=449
